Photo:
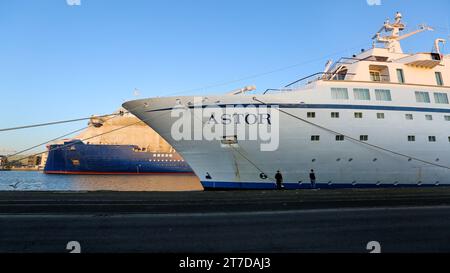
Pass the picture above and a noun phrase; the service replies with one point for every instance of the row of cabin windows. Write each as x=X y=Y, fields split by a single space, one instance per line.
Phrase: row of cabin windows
x=430 y=138
x=359 y=115
x=424 y=97
x=401 y=77
x=340 y=138
x=427 y=117
x=360 y=94
x=365 y=138
x=385 y=95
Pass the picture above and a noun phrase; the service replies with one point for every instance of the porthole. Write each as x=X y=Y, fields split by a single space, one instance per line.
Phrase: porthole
x=375 y=159
x=338 y=159
x=437 y=159
x=350 y=160
x=314 y=160
x=409 y=159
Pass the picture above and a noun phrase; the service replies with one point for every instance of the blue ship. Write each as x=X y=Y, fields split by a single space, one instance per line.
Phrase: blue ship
x=76 y=157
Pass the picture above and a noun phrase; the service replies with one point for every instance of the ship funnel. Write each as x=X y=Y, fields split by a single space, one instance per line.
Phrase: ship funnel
x=243 y=90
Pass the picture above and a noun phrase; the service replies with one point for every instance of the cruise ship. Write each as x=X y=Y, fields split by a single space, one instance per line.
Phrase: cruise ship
x=105 y=148
x=380 y=118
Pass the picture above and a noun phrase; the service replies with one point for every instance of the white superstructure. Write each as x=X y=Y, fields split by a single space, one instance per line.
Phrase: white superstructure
x=378 y=119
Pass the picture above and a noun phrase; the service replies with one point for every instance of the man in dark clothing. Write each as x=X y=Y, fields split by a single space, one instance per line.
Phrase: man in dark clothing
x=312 y=177
x=279 y=179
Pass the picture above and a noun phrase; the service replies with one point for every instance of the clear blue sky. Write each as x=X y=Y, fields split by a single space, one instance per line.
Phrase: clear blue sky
x=60 y=62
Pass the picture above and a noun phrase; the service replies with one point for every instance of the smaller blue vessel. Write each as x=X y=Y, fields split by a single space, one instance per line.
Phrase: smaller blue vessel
x=76 y=157
x=118 y=144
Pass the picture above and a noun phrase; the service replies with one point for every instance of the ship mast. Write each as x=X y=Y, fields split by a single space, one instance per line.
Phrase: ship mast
x=392 y=40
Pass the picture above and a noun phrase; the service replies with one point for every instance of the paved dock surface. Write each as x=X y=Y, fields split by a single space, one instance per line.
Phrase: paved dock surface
x=402 y=220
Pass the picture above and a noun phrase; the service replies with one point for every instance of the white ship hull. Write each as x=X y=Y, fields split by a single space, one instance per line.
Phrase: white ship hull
x=336 y=164
x=378 y=119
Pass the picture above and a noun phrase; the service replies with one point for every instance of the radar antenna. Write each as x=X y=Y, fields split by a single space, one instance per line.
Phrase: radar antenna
x=392 y=40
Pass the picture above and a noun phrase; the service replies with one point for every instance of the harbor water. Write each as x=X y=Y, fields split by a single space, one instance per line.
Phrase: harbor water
x=38 y=181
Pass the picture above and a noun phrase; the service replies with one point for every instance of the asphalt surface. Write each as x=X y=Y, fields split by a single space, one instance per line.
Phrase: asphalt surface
x=401 y=220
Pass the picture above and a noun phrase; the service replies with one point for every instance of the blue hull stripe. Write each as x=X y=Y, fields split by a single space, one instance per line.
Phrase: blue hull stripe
x=329 y=106
x=293 y=186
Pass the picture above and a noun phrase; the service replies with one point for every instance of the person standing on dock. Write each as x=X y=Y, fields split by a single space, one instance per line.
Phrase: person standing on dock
x=312 y=177
x=279 y=179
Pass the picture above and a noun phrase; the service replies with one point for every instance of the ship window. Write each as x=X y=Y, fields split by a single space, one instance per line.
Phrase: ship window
x=432 y=139
x=409 y=116
x=311 y=114
x=439 y=80
x=447 y=118
x=449 y=139
x=375 y=76
x=334 y=114
x=341 y=75
x=364 y=138
x=428 y=117
x=340 y=138
x=339 y=93
x=422 y=97
x=75 y=162
x=315 y=138
x=361 y=94
x=411 y=138
x=383 y=95
x=400 y=76
x=380 y=115
x=358 y=115
x=441 y=98
x=379 y=73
